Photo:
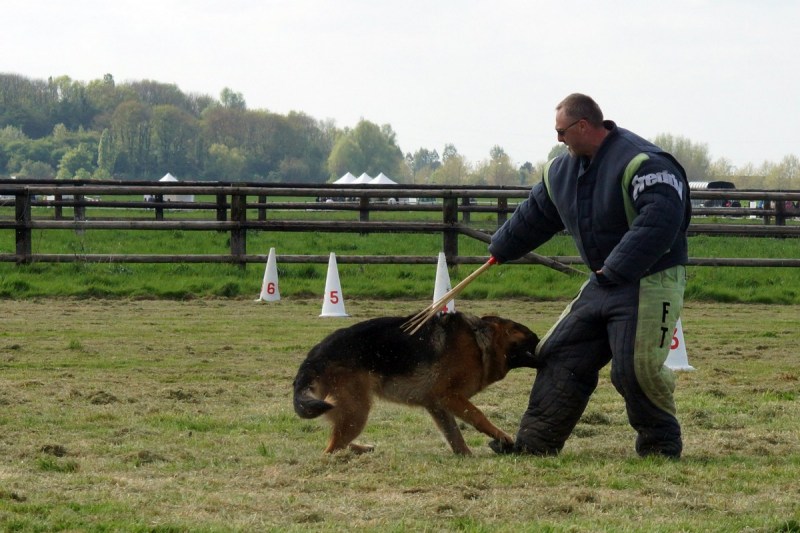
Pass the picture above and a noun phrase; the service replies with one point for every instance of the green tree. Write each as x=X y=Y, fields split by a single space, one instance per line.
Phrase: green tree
x=448 y=152
x=291 y=170
x=11 y=133
x=232 y=99
x=104 y=96
x=346 y=156
x=422 y=164
x=221 y=125
x=225 y=164
x=106 y=155
x=36 y=170
x=528 y=173
x=130 y=127
x=45 y=150
x=367 y=148
x=557 y=150
x=692 y=156
x=60 y=133
x=270 y=139
x=72 y=107
x=500 y=169
x=454 y=170
x=76 y=159
x=153 y=93
x=785 y=175
x=312 y=144
x=26 y=104
x=721 y=169
x=749 y=176
x=174 y=135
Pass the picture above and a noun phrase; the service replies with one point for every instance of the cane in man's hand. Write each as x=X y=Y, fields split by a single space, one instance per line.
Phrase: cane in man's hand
x=415 y=322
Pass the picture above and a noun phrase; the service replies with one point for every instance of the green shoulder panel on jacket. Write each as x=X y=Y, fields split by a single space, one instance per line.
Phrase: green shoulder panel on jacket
x=546 y=176
x=627 y=178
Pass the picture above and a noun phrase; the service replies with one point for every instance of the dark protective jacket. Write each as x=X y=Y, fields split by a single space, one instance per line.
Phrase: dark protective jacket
x=627 y=209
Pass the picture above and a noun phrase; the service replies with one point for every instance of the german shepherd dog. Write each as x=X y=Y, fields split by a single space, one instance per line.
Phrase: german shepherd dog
x=453 y=357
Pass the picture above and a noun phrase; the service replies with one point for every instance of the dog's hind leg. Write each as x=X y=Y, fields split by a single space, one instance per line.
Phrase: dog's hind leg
x=466 y=411
x=346 y=427
x=448 y=426
x=348 y=417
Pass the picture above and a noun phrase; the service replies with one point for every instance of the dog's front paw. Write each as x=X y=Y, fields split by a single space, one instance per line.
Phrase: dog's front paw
x=502 y=447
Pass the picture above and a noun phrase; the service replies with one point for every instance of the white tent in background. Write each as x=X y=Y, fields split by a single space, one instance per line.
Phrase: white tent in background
x=344 y=180
x=363 y=178
x=382 y=179
x=173 y=197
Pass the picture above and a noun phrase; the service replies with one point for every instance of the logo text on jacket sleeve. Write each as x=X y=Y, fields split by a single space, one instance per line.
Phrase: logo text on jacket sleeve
x=640 y=183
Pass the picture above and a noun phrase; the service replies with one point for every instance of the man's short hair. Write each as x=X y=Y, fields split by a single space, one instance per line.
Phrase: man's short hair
x=577 y=106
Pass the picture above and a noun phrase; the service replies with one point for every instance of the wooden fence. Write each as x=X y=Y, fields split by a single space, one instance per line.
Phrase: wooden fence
x=240 y=208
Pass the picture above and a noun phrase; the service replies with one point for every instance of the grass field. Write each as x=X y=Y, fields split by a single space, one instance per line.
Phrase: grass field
x=778 y=285
x=185 y=281
x=159 y=415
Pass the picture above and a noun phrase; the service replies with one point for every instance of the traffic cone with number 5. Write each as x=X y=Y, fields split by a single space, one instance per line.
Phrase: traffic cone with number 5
x=333 y=301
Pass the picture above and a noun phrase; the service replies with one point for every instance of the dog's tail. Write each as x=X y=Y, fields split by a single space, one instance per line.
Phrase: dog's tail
x=306 y=405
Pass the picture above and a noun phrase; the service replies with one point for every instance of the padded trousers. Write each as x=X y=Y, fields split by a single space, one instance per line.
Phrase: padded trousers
x=629 y=325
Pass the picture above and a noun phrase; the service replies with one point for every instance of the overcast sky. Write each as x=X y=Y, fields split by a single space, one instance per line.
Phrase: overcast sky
x=470 y=73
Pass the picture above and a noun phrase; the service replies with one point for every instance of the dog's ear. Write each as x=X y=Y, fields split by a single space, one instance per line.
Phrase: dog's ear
x=499 y=327
x=495 y=321
x=510 y=328
x=523 y=334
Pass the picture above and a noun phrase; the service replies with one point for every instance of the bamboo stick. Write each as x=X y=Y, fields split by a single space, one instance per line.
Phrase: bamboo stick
x=412 y=325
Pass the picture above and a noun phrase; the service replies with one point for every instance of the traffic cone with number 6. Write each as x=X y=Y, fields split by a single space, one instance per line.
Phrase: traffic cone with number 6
x=269 y=287
x=333 y=301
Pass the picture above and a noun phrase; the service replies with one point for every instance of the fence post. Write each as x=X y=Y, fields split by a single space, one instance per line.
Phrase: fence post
x=58 y=210
x=79 y=210
x=23 y=219
x=502 y=215
x=222 y=209
x=262 y=209
x=363 y=209
x=465 y=215
x=239 y=232
x=780 y=212
x=767 y=218
x=450 y=236
x=159 y=198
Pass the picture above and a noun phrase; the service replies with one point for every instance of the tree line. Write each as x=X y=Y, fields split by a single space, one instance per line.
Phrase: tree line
x=143 y=129
x=67 y=129
x=102 y=129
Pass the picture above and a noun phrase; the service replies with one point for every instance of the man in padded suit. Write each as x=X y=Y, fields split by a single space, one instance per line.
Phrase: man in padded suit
x=625 y=202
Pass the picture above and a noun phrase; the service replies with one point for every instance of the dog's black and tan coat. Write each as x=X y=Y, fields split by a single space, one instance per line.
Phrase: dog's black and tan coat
x=450 y=359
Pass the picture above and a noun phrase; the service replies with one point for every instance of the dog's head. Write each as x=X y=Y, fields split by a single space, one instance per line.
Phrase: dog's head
x=516 y=341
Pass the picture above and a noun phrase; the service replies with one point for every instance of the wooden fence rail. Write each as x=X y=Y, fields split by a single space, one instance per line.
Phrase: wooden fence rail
x=28 y=209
